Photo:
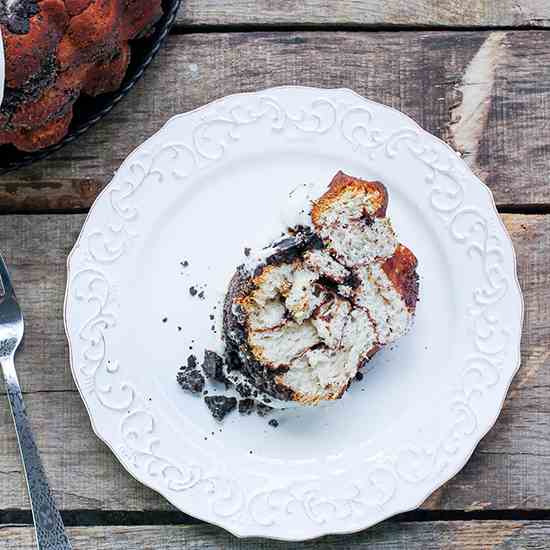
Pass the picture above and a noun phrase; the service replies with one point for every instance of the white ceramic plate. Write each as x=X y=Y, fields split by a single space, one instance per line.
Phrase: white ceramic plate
x=199 y=190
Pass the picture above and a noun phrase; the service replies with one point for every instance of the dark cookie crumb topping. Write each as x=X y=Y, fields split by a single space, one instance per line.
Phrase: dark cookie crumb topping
x=213 y=367
x=17 y=17
x=244 y=390
x=246 y=406
x=290 y=248
x=263 y=410
x=220 y=405
x=190 y=379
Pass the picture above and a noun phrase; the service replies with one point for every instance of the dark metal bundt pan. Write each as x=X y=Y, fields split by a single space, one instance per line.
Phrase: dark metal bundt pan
x=89 y=110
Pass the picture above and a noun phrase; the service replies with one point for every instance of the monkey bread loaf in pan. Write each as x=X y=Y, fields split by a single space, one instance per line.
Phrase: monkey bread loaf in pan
x=67 y=63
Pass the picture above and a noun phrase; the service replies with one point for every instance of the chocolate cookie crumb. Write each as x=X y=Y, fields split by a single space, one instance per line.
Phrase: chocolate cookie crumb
x=185 y=263
x=273 y=423
x=246 y=406
x=201 y=294
x=213 y=366
x=220 y=405
x=192 y=362
x=190 y=379
x=359 y=376
x=368 y=219
x=243 y=390
x=165 y=319
x=17 y=16
x=263 y=410
x=192 y=291
x=247 y=251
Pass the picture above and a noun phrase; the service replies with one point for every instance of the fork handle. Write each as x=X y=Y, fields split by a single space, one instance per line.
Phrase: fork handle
x=50 y=531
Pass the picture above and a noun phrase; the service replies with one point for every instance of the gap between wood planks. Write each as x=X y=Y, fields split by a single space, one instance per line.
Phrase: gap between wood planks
x=89 y=518
x=343 y=27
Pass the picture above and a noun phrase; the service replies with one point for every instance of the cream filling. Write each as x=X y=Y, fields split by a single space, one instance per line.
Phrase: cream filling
x=295 y=211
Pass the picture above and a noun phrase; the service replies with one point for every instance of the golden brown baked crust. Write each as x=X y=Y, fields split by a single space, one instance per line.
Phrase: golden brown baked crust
x=57 y=49
x=342 y=183
x=401 y=270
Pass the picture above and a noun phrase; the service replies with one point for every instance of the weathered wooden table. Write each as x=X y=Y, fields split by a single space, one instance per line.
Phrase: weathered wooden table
x=476 y=73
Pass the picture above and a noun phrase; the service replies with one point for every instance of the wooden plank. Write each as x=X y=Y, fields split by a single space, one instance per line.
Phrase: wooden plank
x=510 y=469
x=371 y=13
x=496 y=84
x=390 y=535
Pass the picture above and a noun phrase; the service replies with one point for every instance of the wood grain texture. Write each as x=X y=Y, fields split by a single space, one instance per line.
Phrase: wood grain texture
x=390 y=535
x=510 y=469
x=420 y=73
x=371 y=13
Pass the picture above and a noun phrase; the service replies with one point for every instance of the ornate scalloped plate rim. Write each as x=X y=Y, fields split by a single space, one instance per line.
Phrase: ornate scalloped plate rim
x=482 y=431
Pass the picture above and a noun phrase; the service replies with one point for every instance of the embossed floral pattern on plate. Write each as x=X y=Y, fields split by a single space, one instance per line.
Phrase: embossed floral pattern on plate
x=405 y=468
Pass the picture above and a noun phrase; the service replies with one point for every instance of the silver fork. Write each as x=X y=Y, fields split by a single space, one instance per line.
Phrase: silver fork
x=50 y=531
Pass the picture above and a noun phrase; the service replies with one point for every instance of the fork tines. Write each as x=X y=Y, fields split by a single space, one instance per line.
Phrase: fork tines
x=5 y=281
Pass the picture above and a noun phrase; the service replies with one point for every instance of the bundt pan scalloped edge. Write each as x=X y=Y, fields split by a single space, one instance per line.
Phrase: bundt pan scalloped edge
x=89 y=110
